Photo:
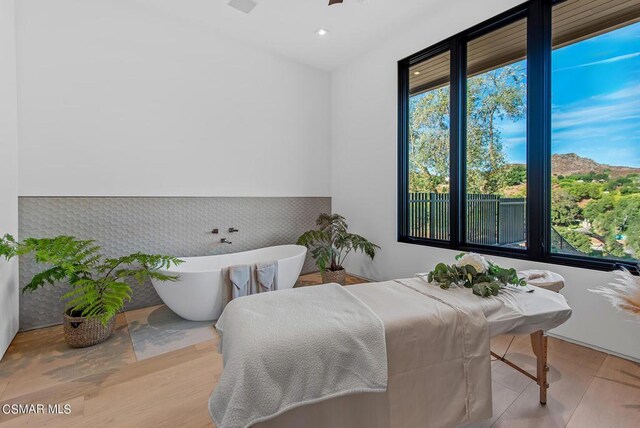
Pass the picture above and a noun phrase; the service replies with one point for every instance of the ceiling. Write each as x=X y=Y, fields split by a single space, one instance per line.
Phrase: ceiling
x=572 y=21
x=288 y=27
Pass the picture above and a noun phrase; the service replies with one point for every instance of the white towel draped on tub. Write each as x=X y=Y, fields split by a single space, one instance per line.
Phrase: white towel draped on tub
x=266 y=275
x=244 y=280
x=240 y=277
x=236 y=282
x=295 y=347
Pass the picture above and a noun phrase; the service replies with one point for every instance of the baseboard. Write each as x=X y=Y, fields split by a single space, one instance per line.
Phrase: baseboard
x=364 y=278
x=594 y=347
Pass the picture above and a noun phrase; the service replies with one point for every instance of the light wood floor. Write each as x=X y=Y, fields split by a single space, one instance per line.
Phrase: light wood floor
x=106 y=386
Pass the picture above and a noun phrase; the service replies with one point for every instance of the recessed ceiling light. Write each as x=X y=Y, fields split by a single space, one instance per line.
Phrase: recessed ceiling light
x=322 y=32
x=416 y=73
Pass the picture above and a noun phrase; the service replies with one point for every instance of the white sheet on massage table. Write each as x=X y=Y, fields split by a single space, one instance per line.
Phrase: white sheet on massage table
x=525 y=313
x=519 y=313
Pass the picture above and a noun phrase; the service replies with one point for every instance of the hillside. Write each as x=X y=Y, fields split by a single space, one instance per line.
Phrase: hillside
x=571 y=163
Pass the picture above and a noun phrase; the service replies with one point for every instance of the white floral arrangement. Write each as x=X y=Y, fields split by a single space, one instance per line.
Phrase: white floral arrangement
x=474 y=271
x=478 y=261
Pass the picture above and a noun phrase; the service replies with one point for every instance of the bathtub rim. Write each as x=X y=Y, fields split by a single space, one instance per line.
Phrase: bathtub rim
x=185 y=259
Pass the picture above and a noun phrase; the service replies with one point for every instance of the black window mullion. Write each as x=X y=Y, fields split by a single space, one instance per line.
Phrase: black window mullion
x=457 y=145
x=403 y=155
x=539 y=129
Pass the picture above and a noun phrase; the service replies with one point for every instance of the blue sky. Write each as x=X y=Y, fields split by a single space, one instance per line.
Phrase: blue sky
x=595 y=99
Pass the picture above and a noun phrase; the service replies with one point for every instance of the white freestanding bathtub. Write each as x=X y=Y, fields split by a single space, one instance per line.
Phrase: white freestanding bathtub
x=197 y=295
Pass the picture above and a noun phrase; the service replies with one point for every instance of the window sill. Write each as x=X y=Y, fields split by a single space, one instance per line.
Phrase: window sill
x=554 y=258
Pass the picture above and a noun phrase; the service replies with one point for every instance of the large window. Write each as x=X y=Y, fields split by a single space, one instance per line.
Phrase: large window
x=521 y=136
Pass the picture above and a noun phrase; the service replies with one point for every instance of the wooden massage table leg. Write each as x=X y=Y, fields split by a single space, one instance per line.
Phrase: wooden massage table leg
x=539 y=341
x=539 y=345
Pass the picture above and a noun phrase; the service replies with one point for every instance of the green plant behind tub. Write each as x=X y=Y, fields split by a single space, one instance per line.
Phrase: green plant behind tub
x=98 y=286
x=331 y=243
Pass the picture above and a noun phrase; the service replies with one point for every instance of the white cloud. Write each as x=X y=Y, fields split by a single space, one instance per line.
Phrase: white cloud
x=603 y=61
x=628 y=92
x=580 y=115
x=613 y=59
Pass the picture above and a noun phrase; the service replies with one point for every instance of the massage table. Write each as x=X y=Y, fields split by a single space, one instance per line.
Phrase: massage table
x=524 y=310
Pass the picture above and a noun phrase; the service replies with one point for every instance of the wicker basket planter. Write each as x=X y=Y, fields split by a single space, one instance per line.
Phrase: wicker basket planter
x=80 y=332
x=338 y=276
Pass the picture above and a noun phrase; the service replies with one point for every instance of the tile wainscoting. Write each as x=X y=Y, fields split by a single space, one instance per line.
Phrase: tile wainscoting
x=167 y=225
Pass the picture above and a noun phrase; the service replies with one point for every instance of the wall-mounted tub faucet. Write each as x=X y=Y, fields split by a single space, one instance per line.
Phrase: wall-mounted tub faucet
x=225 y=241
x=232 y=230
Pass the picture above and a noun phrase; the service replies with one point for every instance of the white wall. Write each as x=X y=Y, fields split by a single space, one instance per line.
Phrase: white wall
x=364 y=127
x=8 y=172
x=116 y=98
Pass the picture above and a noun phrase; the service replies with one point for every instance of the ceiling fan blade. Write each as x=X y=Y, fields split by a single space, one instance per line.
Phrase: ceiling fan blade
x=334 y=2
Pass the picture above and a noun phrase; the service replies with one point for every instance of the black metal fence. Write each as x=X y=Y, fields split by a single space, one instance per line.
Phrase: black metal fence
x=561 y=245
x=429 y=215
x=491 y=219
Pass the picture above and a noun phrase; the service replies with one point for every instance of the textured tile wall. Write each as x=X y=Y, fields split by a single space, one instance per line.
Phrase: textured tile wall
x=175 y=226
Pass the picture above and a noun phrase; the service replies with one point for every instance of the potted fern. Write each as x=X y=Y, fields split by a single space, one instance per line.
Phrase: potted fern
x=98 y=290
x=330 y=245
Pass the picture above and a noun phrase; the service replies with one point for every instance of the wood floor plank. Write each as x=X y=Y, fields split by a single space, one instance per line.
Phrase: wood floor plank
x=500 y=344
x=503 y=398
x=613 y=398
x=88 y=384
x=40 y=359
x=509 y=378
x=135 y=376
x=568 y=383
x=518 y=349
x=576 y=354
x=178 y=393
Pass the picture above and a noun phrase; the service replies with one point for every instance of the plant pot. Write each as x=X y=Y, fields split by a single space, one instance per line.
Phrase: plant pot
x=338 y=276
x=80 y=332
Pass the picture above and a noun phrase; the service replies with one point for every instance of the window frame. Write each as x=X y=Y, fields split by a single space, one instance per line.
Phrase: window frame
x=538 y=125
